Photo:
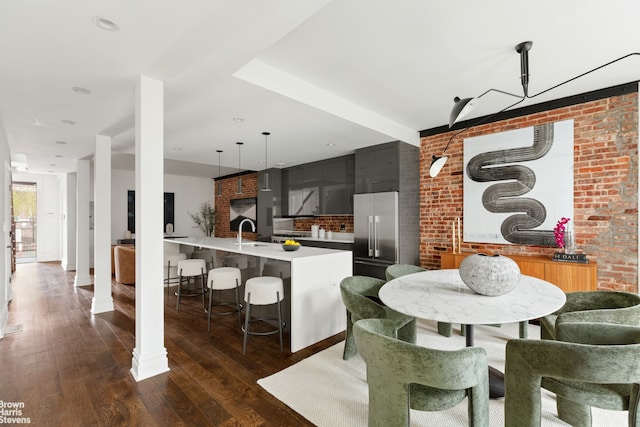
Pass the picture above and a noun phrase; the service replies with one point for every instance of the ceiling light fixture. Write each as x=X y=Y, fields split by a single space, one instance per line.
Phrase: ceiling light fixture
x=266 y=168
x=68 y=122
x=81 y=90
x=239 y=176
x=105 y=23
x=61 y=142
x=219 y=183
x=464 y=106
x=238 y=119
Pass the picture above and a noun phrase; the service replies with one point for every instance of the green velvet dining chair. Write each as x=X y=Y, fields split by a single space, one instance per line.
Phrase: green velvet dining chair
x=589 y=364
x=398 y=270
x=403 y=376
x=360 y=297
x=594 y=306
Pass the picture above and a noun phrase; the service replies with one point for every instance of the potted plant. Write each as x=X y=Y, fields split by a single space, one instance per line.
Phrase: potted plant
x=205 y=218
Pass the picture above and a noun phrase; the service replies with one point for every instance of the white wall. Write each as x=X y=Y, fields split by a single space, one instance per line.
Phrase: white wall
x=5 y=266
x=49 y=217
x=189 y=192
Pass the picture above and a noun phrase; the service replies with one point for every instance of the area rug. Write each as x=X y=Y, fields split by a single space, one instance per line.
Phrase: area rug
x=331 y=392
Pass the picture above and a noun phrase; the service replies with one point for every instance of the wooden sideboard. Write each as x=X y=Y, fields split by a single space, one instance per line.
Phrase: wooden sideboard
x=568 y=276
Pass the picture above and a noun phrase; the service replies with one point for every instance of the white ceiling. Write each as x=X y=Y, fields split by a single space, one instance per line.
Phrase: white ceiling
x=352 y=73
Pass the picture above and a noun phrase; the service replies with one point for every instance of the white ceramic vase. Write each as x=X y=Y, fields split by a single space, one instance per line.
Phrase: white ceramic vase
x=489 y=275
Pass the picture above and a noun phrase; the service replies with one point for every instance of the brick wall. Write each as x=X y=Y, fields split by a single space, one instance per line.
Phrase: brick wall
x=229 y=189
x=329 y=223
x=605 y=189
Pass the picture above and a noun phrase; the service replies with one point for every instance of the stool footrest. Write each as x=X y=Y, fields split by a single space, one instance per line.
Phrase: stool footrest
x=225 y=304
x=275 y=331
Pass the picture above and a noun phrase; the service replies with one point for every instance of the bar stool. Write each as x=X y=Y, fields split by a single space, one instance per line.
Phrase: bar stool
x=220 y=279
x=277 y=268
x=207 y=255
x=191 y=268
x=265 y=290
x=171 y=261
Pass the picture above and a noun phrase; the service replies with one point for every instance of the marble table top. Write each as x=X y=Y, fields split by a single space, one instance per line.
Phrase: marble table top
x=442 y=295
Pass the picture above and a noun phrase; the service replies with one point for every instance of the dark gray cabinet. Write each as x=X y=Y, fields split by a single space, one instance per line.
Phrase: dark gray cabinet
x=319 y=188
x=377 y=168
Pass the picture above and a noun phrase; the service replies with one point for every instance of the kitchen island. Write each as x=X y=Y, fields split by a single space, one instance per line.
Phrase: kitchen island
x=313 y=299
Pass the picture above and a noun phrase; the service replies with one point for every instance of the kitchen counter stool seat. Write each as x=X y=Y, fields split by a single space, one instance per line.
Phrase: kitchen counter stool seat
x=171 y=264
x=264 y=290
x=191 y=268
x=221 y=279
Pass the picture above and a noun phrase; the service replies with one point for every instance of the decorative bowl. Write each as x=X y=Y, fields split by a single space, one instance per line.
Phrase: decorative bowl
x=489 y=275
x=290 y=248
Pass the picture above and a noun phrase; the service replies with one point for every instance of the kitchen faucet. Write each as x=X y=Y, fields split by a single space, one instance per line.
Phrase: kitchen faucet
x=253 y=228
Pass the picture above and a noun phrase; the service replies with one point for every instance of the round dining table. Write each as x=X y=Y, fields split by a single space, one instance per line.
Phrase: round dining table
x=441 y=295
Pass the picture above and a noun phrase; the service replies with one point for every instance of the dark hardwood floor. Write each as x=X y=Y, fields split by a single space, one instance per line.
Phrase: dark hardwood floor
x=72 y=369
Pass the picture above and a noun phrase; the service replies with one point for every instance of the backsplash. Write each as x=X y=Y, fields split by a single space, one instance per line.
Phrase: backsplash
x=329 y=223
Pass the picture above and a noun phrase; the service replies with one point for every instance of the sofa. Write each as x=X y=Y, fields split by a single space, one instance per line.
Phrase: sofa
x=124 y=260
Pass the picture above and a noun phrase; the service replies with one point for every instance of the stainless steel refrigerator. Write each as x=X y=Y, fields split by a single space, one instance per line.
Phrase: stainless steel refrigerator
x=375 y=226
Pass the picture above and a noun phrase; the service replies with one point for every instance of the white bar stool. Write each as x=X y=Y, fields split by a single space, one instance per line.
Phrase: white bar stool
x=265 y=290
x=277 y=268
x=220 y=279
x=207 y=255
x=191 y=268
x=171 y=261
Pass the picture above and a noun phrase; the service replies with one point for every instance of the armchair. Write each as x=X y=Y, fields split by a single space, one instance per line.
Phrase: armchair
x=595 y=306
x=125 y=264
x=359 y=294
x=402 y=375
x=589 y=364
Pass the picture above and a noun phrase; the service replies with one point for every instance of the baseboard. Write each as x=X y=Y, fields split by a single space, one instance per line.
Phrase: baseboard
x=4 y=318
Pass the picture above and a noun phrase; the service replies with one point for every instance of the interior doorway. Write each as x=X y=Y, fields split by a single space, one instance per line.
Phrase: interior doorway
x=25 y=221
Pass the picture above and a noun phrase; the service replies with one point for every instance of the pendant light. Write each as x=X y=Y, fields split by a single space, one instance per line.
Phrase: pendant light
x=219 y=183
x=239 y=176
x=266 y=168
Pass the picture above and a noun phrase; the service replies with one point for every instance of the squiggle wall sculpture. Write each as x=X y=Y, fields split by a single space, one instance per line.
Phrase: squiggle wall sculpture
x=504 y=197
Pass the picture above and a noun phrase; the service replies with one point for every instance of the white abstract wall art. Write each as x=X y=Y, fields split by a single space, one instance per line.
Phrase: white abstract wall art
x=518 y=184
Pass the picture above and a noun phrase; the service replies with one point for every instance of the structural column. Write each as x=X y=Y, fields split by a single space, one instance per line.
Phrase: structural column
x=69 y=222
x=83 y=276
x=102 y=299
x=149 y=355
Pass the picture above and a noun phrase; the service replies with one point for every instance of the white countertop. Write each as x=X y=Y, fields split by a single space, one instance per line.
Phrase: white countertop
x=253 y=248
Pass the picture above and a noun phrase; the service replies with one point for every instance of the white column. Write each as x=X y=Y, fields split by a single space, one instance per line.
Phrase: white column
x=83 y=276
x=69 y=222
x=149 y=355
x=102 y=299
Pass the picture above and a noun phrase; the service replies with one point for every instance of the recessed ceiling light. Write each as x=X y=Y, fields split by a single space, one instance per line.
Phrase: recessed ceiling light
x=61 y=142
x=58 y=155
x=81 y=90
x=68 y=122
x=105 y=23
x=50 y=171
x=238 y=119
x=52 y=164
x=37 y=122
x=280 y=164
x=331 y=145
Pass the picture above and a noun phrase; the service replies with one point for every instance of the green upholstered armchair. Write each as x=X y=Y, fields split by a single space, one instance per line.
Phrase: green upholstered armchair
x=589 y=364
x=401 y=376
x=397 y=270
x=594 y=306
x=360 y=296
